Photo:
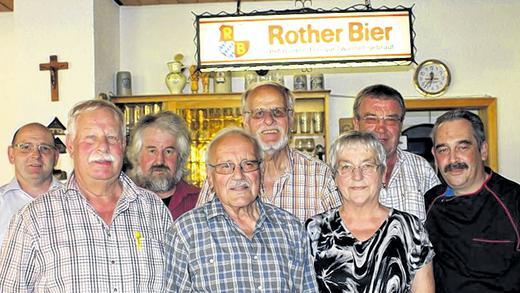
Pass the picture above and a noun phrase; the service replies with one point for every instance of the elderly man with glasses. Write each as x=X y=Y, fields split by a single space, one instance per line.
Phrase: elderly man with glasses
x=292 y=180
x=235 y=242
x=33 y=154
x=380 y=109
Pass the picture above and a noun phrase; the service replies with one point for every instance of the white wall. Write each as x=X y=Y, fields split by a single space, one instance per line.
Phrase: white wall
x=478 y=40
x=35 y=30
x=106 y=44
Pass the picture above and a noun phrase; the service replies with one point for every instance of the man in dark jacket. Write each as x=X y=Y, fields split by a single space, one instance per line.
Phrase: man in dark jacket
x=473 y=219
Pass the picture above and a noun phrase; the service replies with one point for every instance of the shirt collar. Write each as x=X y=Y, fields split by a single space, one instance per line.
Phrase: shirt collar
x=214 y=208
x=13 y=185
x=130 y=189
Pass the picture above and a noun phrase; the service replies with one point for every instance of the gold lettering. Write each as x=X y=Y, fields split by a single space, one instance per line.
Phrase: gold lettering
x=275 y=32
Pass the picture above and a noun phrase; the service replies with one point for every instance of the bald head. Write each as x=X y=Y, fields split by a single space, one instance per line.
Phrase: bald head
x=33 y=127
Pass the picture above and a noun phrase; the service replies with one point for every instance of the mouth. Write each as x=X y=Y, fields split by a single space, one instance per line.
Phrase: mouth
x=270 y=131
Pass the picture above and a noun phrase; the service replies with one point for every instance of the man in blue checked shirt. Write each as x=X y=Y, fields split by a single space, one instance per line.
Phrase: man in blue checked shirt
x=235 y=242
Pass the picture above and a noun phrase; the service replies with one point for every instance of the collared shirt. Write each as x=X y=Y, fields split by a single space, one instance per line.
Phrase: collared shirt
x=183 y=199
x=305 y=189
x=207 y=252
x=59 y=243
x=13 y=198
x=411 y=178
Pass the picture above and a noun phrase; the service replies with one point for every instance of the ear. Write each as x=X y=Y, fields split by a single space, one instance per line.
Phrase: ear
x=56 y=156
x=484 y=151
x=355 y=121
x=69 y=141
x=10 y=154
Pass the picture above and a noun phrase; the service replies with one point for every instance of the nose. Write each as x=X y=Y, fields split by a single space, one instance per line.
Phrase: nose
x=159 y=158
x=238 y=173
x=268 y=118
x=357 y=174
x=380 y=126
x=35 y=152
x=103 y=144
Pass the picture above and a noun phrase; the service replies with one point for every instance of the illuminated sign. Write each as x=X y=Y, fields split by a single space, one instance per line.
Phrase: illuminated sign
x=319 y=39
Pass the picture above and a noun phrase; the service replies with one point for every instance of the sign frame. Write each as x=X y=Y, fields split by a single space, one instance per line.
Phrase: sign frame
x=235 y=64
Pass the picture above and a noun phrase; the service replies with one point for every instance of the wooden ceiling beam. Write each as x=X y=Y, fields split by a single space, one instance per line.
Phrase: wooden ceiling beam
x=6 y=5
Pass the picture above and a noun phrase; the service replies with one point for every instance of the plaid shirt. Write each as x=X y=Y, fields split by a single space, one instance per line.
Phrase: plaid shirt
x=411 y=178
x=59 y=243
x=207 y=252
x=307 y=188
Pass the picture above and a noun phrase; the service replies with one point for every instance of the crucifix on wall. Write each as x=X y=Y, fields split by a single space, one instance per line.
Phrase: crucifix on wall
x=53 y=66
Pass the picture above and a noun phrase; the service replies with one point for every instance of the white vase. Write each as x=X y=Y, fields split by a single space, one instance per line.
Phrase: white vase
x=175 y=79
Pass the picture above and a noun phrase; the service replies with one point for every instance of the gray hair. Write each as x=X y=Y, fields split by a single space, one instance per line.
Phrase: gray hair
x=380 y=92
x=222 y=134
x=91 y=105
x=168 y=122
x=473 y=119
x=286 y=93
x=355 y=137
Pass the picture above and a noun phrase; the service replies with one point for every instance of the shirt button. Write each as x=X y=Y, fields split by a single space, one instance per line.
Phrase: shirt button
x=260 y=287
x=210 y=260
x=113 y=262
x=115 y=289
x=255 y=257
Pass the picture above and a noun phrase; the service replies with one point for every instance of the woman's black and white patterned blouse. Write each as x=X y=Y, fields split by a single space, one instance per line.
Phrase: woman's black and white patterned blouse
x=386 y=262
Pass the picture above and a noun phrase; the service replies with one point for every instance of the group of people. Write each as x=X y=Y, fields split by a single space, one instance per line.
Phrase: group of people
x=268 y=217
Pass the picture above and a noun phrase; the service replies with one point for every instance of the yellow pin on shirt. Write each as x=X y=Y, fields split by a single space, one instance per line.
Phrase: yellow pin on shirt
x=137 y=235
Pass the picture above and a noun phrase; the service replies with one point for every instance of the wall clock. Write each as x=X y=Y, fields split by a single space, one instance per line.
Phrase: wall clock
x=432 y=78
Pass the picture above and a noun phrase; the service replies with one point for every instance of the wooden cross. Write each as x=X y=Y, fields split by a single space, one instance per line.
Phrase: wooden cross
x=53 y=66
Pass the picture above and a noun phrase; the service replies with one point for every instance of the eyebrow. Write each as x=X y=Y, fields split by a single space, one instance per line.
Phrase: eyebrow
x=463 y=141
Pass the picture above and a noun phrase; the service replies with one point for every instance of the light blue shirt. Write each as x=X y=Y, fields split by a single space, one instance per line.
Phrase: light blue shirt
x=12 y=199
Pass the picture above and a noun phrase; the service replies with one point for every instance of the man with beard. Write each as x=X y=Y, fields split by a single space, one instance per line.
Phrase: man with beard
x=380 y=109
x=473 y=219
x=100 y=232
x=158 y=152
x=33 y=154
x=291 y=180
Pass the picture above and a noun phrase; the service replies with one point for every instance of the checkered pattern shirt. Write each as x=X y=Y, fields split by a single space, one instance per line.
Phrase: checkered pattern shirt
x=411 y=178
x=307 y=188
x=207 y=252
x=59 y=243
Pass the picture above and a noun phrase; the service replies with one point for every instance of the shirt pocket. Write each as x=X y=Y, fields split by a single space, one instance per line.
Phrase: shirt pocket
x=490 y=257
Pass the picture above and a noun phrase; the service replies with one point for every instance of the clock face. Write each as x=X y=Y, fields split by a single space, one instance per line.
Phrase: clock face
x=432 y=78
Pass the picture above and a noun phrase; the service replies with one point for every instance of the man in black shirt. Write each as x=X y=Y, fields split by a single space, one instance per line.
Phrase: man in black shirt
x=473 y=219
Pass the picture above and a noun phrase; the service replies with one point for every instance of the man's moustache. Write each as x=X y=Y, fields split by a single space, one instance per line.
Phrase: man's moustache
x=97 y=157
x=159 y=168
x=455 y=166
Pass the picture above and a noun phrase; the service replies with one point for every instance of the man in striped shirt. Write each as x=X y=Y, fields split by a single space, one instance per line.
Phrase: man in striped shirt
x=99 y=233
x=292 y=180
x=380 y=109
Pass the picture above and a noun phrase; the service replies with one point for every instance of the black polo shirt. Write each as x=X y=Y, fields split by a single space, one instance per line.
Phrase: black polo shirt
x=476 y=237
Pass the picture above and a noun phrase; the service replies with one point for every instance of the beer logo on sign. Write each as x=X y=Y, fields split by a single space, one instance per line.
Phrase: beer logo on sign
x=228 y=46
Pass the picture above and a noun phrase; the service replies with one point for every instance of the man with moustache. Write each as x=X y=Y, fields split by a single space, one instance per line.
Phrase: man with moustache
x=33 y=154
x=99 y=233
x=235 y=242
x=158 y=152
x=473 y=219
x=380 y=109
x=292 y=180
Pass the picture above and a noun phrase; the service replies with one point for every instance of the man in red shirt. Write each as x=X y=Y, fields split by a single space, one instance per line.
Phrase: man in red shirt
x=158 y=152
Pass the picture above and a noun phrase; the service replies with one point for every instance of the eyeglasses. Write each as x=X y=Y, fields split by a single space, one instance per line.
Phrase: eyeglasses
x=391 y=120
x=228 y=168
x=27 y=147
x=277 y=112
x=367 y=169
